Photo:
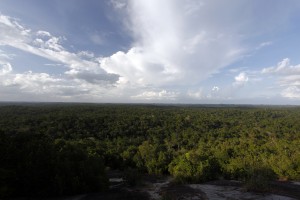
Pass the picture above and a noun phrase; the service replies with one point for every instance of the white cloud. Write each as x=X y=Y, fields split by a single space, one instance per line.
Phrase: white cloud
x=241 y=79
x=283 y=67
x=157 y=95
x=183 y=42
x=43 y=44
x=214 y=93
x=6 y=21
x=46 y=87
x=215 y=89
x=136 y=67
x=15 y=27
x=174 y=43
x=86 y=54
x=5 y=68
x=264 y=44
x=11 y=32
x=51 y=43
x=84 y=79
x=196 y=94
x=292 y=92
x=43 y=34
x=118 y=4
x=288 y=78
x=54 y=44
x=34 y=82
x=53 y=64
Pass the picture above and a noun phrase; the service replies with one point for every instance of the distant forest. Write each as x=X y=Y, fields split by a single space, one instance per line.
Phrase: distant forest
x=64 y=149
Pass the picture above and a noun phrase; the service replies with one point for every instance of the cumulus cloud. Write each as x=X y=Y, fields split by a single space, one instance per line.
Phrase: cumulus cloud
x=174 y=42
x=207 y=95
x=11 y=32
x=50 y=43
x=288 y=80
x=196 y=94
x=241 y=79
x=5 y=68
x=157 y=95
x=292 y=92
x=84 y=79
x=283 y=67
x=184 y=41
x=288 y=76
x=34 y=82
x=45 y=87
x=215 y=89
x=86 y=54
x=132 y=66
x=43 y=34
x=84 y=72
x=43 y=44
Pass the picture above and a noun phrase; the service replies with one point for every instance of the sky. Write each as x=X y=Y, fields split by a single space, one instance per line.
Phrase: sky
x=150 y=51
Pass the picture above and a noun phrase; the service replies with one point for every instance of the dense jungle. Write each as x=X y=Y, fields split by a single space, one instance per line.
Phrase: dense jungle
x=56 y=149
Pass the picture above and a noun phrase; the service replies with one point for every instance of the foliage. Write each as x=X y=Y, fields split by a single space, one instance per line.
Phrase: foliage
x=194 y=167
x=56 y=149
x=259 y=179
x=35 y=165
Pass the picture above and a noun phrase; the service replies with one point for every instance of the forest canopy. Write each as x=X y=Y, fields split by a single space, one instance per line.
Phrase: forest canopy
x=62 y=149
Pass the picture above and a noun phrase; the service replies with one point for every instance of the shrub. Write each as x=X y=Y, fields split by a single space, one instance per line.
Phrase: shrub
x=259 y=179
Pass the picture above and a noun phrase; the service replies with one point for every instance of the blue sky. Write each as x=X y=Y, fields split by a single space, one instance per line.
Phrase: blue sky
x=171 y=51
